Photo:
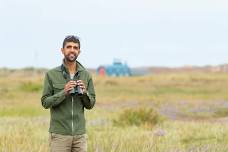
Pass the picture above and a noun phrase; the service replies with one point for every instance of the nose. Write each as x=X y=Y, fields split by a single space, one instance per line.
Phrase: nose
x=71 y=49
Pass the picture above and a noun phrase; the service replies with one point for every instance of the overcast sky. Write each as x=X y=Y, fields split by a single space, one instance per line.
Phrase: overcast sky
x=140 y=32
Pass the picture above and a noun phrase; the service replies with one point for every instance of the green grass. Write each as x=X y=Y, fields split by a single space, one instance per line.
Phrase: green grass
x=26 y=111
x=195 y=100
x=30 y=87
x=193 y=86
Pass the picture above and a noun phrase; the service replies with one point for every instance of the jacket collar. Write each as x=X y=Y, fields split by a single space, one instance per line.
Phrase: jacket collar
x=63 y=67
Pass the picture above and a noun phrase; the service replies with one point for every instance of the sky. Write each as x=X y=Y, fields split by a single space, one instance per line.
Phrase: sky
x=139 y=32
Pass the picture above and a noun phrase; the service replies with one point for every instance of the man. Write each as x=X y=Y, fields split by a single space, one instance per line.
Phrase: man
x=68 y=89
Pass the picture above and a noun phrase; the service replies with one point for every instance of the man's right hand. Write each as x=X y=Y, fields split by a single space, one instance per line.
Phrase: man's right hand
x=69 y=86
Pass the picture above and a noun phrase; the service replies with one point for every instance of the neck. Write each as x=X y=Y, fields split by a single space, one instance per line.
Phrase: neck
x=71 y=66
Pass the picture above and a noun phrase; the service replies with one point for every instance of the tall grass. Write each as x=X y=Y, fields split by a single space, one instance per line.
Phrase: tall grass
x=30 y=134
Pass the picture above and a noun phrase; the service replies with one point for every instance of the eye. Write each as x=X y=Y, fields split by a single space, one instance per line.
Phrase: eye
x=76 y=48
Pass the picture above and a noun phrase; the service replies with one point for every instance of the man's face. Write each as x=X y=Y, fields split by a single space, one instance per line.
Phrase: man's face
x=71 y=51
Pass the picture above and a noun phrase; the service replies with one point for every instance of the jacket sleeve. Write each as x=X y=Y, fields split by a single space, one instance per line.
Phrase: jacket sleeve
x=89 y=99
x=49 y=99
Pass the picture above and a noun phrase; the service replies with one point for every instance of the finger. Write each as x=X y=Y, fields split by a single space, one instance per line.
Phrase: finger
x=73 y=82
x=82 y=86
x=69 y=89
x=80 y=81
x=72 y=85
x=66 y=86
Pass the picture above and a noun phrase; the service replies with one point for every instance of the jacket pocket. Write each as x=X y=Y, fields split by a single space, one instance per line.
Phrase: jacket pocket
x=58 y=87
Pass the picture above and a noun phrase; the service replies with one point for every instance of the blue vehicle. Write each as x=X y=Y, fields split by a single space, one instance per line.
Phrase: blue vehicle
x=116 y=69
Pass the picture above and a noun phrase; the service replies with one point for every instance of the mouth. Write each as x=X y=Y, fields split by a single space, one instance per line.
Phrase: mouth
x=71 y=57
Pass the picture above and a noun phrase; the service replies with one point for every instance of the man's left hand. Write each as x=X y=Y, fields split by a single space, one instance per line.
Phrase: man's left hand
x=81 y=84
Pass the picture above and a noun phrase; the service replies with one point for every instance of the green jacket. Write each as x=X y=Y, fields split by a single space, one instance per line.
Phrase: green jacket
x=67 y=111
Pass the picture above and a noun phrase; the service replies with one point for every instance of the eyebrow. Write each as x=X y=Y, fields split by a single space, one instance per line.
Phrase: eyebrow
x=70 y=46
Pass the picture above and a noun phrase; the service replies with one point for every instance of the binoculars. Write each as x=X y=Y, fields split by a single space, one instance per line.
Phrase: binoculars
x=76 y=90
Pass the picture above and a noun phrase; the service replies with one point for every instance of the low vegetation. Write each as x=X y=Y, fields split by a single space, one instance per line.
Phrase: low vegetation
x=184 y=112
x=138 y=117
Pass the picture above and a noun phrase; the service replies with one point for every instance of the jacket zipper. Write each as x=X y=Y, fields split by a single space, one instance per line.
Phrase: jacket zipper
x=72 y=100
x=72 y=124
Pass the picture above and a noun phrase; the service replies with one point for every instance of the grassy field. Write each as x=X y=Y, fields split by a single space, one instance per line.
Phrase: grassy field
x=184 y=112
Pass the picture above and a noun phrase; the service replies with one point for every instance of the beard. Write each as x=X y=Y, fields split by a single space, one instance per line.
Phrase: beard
x=71 y=57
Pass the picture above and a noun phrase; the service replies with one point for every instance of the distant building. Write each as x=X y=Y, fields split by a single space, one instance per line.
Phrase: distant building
x=116 y=69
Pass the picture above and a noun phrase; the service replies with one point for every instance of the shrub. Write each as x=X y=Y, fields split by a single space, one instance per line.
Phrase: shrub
x=138 y=117
x=221 y=112
x=111 y=82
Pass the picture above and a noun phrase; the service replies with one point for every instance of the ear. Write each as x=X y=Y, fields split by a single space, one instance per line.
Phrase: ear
x=62 y=50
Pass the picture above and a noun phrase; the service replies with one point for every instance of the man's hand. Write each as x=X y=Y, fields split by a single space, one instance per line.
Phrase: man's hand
x=81 y=84
x=69 y=86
